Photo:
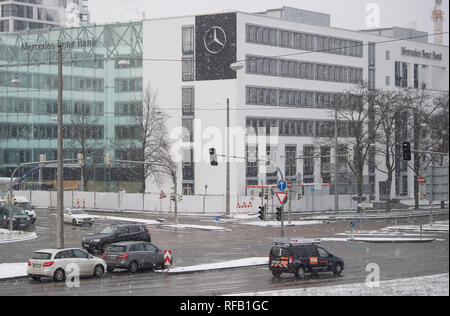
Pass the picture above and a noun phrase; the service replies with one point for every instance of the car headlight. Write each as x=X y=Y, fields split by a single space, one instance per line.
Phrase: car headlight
x=96 y=240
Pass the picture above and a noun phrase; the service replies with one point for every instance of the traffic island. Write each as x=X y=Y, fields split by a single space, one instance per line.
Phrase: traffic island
x=7 y=236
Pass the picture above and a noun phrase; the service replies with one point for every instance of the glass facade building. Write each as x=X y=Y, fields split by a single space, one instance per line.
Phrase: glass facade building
x=101 y=96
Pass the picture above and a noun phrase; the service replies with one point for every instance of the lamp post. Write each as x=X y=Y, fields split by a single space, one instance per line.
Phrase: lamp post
x=234 y=66
x=336 y=160
x=60 y=170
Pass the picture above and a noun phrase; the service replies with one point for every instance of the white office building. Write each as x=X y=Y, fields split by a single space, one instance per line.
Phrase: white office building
x=296 y=68
x=38 y=14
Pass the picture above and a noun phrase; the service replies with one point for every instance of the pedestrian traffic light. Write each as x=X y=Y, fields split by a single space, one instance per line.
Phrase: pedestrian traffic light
x=407 y=151
x=213 y=157
x=261 y=212
x=278 y=213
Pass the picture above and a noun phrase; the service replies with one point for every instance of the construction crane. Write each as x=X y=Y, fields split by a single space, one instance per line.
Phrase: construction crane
x=438 y=19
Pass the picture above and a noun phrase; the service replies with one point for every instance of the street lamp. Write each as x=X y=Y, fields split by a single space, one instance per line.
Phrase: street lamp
x=123 y=63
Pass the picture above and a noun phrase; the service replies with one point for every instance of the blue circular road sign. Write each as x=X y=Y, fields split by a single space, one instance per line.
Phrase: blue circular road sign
x=282 y=185
x=352 y=224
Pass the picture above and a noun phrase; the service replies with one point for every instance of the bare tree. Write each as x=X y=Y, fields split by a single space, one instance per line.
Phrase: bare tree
x=147 y=139
x=392 y=116
x=84 y=136
x=357 y=125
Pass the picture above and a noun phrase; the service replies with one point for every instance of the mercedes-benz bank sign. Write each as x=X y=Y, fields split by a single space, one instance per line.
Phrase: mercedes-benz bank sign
x=78 y=43
x=215 y=46
x=421 y=53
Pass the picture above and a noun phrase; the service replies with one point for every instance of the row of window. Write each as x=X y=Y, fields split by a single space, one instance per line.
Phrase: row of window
x=82 y=108
x=48 y=131
x=50 y=82
x=298 y=127
x=303 y=41
x=295 y=98
x=302 y=70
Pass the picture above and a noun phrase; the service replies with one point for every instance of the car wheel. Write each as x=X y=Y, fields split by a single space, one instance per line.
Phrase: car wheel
x=74 y=222
x=300 y=273
x=99 y=271
x=59 y=275
x=337 y=271
x=133 y=267
x=276 y=274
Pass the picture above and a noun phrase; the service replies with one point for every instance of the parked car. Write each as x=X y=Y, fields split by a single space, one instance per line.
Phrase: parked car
x=16 y=214
x=77 y=216
x=115 y=233
x=133 y=255
x=52 y=263
x=25 y=204
x=302 y=256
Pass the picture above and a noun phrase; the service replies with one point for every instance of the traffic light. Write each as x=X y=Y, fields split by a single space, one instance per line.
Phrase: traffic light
x=261 y=212
x=407 y=151
x=213 y=157
x=278 y=213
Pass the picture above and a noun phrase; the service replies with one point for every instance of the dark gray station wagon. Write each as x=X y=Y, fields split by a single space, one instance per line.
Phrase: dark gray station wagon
x=133 y=255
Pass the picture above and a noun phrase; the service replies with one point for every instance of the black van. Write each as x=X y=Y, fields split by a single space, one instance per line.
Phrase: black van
x=301 y=257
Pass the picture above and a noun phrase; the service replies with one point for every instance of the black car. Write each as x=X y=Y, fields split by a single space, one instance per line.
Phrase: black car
x=302 y=256
x=114 y=234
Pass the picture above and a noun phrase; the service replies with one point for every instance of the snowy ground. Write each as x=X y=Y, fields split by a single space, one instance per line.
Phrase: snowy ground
x=7 y=236
x=435 y=285
x=163 y=224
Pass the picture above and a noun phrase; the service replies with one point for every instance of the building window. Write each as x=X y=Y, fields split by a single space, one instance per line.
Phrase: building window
x=388 y=81
x=188 y=40
x=308 y=164
x=416 y=76
x=188 y=101
x=291 y=162
x=188 y=69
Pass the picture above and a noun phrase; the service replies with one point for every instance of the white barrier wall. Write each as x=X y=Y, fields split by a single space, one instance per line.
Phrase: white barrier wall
x=198 y=204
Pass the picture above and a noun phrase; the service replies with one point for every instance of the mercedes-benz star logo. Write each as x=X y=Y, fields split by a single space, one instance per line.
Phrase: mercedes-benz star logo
x=215 y=40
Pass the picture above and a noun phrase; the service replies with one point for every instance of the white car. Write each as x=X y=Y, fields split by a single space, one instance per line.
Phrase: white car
x=77 y=216
x=53 y=263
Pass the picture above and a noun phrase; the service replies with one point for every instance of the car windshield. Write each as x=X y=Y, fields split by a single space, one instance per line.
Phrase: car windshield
x=109 y=230
x=77 y=212
x=25 y=205
x=17 y=210
x=41 y=256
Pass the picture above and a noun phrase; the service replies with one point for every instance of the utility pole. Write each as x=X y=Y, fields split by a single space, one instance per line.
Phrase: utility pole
x=336 y=160
x=227 y=209
x=60 y=170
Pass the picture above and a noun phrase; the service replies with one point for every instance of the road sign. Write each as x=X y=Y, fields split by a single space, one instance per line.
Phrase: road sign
x=282 y=185
x=217 y=219
x=167 y=257
x=421 y=180
x=352 y=224
x=282 y=197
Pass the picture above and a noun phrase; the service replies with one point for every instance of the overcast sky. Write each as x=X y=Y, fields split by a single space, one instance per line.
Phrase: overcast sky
x=351 y=14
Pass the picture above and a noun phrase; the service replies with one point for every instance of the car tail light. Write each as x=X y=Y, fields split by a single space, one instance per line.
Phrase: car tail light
x=104 y=256
x=48 y=264
x=124 y=256
x=29 y=263
x=291 y=260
